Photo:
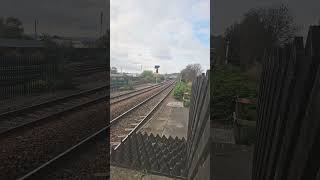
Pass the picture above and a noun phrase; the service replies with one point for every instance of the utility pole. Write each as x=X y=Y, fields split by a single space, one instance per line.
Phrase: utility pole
x=227 y=52
x=101 y=23
x=35 y=29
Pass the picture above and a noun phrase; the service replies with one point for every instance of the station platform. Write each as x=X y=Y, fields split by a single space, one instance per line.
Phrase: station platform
x=171 y=119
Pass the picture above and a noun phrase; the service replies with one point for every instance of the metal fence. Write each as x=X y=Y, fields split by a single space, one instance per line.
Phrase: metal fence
x=198 y=139
x=288 y=126
x=20 y=75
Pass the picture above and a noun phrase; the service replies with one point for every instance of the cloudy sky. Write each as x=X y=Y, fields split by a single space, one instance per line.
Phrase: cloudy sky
x=169 y=33
x=225 y=12
x=60 y=17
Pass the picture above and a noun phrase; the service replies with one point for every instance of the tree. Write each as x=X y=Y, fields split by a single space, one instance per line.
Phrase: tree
x=259 y=30
x=147 y=76
x=114 y=70
x=219 y=49
x=191 y=72
x=147 y=73
x=11 y=27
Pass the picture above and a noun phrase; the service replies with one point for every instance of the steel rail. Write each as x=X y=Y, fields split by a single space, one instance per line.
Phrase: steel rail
x=140 y=104
x=51 y=116
x=86 y=140
x=47 y=103
x=144 y=119
x=140 y=91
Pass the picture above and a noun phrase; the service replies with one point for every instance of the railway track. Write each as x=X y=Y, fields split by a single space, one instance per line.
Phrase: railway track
x=29 y=116
x=129 y=121
x=124 y=96
x=145 y=108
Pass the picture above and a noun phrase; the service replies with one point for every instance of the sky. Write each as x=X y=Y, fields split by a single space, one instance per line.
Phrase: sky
x=225 y=12
x=78 y=18
x=169 y=33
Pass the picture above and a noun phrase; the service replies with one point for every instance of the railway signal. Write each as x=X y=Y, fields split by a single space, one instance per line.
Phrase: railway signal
x=157 y=67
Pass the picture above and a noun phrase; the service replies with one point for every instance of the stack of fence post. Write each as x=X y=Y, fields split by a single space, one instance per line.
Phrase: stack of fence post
x=288 y=126
x=198 y=143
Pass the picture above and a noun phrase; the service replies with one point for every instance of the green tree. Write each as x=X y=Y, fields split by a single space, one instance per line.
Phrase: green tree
x=11 y=27
x=147 y=73
x=147 y=76
x=259 y=30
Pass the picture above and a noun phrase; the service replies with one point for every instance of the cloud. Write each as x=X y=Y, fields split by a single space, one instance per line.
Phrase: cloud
x=158 y=32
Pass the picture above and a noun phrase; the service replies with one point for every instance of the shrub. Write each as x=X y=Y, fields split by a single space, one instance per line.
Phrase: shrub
x=180 y=89
x=227 y=83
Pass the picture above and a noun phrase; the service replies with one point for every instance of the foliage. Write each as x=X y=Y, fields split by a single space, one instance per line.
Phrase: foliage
x=147 y=73
x=11 y=27
x=259 y=30
x=161 y=77
x=179 y=91
x=228 y=82
x=186 y=103
x=191 y=72
x=147 y=76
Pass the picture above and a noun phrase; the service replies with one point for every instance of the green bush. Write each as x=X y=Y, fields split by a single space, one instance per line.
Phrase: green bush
x=228 y=82
x=186 y=103
x=180 y=89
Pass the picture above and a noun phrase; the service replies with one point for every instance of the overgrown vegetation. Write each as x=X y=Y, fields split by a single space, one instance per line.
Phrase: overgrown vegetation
x=228 y=82
x=180 y=91
x=149 y=76
x=12 y=27
x=259 y=30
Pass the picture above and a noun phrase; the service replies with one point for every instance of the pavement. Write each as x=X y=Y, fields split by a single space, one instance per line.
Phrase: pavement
x=231 y=161
x=119 y=173
x=171 y=119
